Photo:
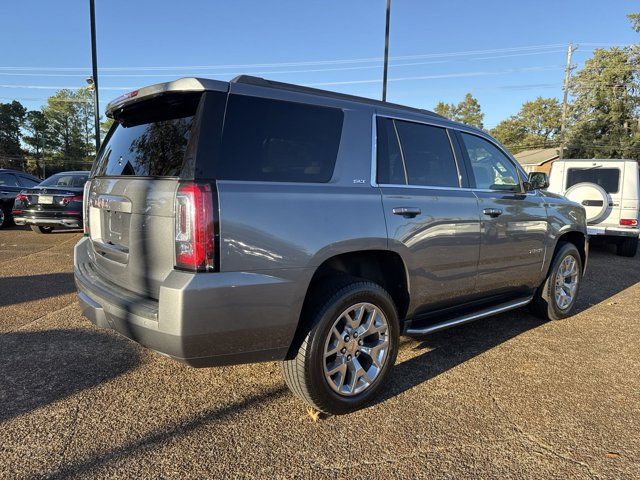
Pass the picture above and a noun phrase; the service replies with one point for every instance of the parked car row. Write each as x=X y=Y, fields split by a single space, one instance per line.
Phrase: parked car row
x=44 y=205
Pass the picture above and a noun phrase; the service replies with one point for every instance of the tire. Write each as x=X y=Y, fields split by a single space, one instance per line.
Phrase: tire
x=545 y=303
x=39 y=229
x=627 y=247
x=5 y=216
x=306 y=373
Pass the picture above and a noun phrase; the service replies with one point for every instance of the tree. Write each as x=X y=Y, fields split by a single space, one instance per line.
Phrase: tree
x=606 y=107
x=105 y=125
x=71 y=124
x=11 y=120
x=536 y=125
x=634 y=18
x=467 y=111
x=37 y=138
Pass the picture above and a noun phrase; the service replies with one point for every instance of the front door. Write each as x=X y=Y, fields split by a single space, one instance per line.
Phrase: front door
x=431 y=221
x=513 y=222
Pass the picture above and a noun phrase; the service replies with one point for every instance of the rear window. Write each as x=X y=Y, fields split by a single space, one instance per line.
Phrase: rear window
x=607 y=178
x=65 y=180
x=278 y=141
x=150 y=138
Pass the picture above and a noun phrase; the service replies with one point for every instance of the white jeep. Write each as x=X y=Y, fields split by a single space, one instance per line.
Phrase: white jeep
x=609 y=192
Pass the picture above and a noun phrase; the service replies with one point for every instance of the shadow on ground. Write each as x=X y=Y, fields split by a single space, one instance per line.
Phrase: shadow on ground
x=14 y=290
x=39 y=368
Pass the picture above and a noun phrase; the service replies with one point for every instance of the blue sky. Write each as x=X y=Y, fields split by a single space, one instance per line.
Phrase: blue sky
x=504 y=52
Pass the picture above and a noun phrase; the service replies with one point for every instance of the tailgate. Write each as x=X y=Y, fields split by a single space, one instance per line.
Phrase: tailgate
x=131 y=226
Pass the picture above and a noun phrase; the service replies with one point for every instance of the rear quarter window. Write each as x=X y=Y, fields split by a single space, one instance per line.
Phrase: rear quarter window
x=607 y=178
x=277 y=141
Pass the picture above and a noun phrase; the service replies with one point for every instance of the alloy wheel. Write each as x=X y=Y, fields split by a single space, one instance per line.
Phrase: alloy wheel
x=566 y=284
x=356 y=349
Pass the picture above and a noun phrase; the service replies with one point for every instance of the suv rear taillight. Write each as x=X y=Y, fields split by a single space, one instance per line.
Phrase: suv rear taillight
x=194 y=227
x=629 y=222
x=85 y=206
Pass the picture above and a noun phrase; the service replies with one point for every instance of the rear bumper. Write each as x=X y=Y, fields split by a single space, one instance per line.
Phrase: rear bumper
x=48 y=221
x=200 y=319
x=613 y=231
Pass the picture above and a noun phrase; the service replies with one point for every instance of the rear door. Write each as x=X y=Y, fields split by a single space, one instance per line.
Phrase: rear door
x=513 y=222
x=132 y=191
x=431 y=220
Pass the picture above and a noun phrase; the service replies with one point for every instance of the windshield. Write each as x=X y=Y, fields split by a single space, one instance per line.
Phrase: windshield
x=150 y=139
x=66 y=180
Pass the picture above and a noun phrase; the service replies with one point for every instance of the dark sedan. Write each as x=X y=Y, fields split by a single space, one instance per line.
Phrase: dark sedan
x=56 y=202
x=11 y=183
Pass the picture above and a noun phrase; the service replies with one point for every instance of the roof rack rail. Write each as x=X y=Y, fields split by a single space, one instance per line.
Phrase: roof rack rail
x=262 y=82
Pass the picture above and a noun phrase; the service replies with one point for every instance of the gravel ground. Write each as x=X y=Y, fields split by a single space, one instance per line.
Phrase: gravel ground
x=507 y=397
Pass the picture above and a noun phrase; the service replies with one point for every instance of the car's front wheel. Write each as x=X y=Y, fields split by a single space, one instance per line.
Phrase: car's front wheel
x=556 y=297
x=349 y=351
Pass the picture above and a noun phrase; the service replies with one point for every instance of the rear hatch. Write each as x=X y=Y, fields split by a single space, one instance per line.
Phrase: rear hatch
x=130 y=204
x=602 y=203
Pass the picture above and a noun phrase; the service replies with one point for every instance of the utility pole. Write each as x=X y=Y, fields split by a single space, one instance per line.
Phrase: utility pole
x=94 y=64
x=565 y=93
x=386 y=54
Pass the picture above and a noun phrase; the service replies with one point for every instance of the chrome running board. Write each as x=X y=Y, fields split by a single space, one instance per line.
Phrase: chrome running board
x=470 y=317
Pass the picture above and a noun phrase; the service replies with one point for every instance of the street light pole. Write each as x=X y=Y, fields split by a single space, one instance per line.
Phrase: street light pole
x=94 y=64
x=386 y=54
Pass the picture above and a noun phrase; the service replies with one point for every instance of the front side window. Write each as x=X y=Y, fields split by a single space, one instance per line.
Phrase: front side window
x=607 y=178
x=492 y=169
x=277 y=141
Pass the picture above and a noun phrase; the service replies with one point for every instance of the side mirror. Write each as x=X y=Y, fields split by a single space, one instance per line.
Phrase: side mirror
x=537 y=180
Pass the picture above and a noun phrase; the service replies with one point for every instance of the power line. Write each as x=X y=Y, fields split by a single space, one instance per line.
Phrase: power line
x=299 y=63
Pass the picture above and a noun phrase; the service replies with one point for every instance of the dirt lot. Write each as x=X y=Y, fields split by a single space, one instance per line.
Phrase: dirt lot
x=508 y=397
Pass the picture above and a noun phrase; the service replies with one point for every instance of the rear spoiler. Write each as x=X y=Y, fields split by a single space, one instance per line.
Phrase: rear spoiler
x=181 y=85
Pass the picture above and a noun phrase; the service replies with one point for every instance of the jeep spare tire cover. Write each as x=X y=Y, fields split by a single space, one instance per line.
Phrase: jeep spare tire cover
x=592 y=197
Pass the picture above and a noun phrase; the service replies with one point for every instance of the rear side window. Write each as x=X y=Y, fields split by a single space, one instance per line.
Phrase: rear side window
x=390 y=165
x=150 y=139
x=28 y=181
x=8 y=180
x=607 y=178
x=427 y=155
x=277 y=141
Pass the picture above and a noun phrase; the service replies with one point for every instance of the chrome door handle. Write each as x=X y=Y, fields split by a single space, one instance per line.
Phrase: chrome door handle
x=407 y=212
x=492 y=212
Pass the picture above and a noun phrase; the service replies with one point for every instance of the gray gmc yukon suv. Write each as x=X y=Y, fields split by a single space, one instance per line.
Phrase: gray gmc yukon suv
x=251 y=220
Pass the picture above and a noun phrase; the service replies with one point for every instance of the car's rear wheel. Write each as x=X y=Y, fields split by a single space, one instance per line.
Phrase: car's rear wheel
x=5 y=216
x=556 y=297
x=348 y=353
x=627 y=247
x=40 y=229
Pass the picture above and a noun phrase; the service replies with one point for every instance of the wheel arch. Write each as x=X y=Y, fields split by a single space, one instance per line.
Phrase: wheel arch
x=577 y=238
x=383 y=267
